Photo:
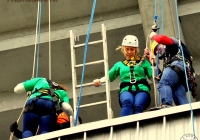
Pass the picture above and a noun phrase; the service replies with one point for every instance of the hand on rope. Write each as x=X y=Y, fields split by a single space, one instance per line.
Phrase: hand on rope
x=150 y=56
x=153 y=31
x=154 y=28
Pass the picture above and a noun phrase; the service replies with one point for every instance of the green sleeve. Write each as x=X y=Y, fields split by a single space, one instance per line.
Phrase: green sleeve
x=63 y=96
x=148 y=69
x=29 y=84
x=114 y=72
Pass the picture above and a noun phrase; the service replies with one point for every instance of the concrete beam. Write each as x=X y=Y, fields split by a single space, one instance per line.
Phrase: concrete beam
x=64 y=33
x=96 y=27
x=190 y=8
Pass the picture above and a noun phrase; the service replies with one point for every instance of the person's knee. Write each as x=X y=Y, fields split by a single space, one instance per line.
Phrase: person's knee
x=126 y=102
x=126 y=99
x=27 y=134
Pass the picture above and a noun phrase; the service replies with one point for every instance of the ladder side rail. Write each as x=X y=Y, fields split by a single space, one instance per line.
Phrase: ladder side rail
x=106 y=69
x=73 y=62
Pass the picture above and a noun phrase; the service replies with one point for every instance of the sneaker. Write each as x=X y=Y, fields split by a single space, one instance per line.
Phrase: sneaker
x=165 y=106
x=155 y=108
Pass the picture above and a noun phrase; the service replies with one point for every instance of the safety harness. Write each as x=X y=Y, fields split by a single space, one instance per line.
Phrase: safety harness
x=133 y=81
x=53 y=86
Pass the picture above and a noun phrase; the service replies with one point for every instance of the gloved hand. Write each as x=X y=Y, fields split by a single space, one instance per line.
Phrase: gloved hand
x=154 y=28
x=13 y=127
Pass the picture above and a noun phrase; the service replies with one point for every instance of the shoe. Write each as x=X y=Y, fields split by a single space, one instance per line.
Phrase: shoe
x=165 y=106
x=155 y=108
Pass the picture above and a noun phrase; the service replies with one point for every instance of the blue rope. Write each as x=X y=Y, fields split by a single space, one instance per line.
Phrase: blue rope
x=38 y=47
x=163 y=14
x=155 y=11
x=84 y=60
x=186 y=78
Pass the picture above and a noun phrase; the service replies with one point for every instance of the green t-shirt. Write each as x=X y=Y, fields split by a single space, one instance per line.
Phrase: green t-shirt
x=123 y=71
x=41 y=83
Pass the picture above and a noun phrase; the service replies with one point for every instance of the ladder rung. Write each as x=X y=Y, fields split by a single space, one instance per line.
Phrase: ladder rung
x=90 y=63
x=84 y=85
x=92 y=104
x=93 y=42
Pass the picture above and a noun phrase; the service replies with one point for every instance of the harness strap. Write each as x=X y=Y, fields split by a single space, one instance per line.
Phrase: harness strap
x=55 y=98
x=142 y=81
x=125 y=84
x=44 y=92
x=31 y=108
x=178 y=71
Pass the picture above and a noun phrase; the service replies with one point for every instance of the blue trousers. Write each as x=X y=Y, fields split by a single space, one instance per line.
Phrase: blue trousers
x=170 y=87
x=134 y=103
x=38 y=117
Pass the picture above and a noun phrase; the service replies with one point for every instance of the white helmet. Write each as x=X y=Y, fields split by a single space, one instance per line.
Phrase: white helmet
x=130 y=40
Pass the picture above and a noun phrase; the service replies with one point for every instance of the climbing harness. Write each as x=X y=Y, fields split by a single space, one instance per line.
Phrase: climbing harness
x=55 y=98
x=133 y=82
x=187 y=59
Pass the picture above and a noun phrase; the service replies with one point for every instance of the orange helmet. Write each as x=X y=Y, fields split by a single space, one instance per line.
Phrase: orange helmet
x=62 y=118
x=154 y=44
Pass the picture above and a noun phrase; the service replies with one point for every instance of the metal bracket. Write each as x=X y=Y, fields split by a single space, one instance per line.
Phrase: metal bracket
x=76 y=38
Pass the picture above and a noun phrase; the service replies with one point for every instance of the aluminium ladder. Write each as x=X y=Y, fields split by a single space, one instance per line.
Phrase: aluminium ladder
x=74 y=66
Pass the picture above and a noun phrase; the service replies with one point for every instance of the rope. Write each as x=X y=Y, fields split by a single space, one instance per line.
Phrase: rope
x=84 y=59
x=157 y=56
x=186 y=78
x=163 y=14
x=49 y=40
x=33 y=73
x=11 y=135
x=156 y=20
x=38 y=48
x=39 y=6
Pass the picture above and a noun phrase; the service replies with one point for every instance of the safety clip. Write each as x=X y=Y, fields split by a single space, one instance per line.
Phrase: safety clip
x=132 y=78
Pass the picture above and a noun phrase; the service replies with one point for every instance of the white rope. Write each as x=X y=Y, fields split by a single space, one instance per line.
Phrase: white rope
x=33 y=73
x=49 y=43
x=153 y=72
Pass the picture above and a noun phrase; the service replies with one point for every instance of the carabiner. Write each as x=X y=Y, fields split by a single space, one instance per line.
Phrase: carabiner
x=132 y=79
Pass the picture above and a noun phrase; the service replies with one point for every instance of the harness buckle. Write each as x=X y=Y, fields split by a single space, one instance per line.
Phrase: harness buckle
x=133 y=81
x=44 y=91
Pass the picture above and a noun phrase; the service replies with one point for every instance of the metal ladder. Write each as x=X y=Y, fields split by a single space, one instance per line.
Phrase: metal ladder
x=74 y=66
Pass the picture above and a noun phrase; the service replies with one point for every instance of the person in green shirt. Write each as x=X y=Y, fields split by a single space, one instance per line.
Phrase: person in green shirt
x=134 y=94
x=41 y=108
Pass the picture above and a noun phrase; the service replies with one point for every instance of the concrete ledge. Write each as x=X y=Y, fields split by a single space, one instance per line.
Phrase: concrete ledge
x=118 y=121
